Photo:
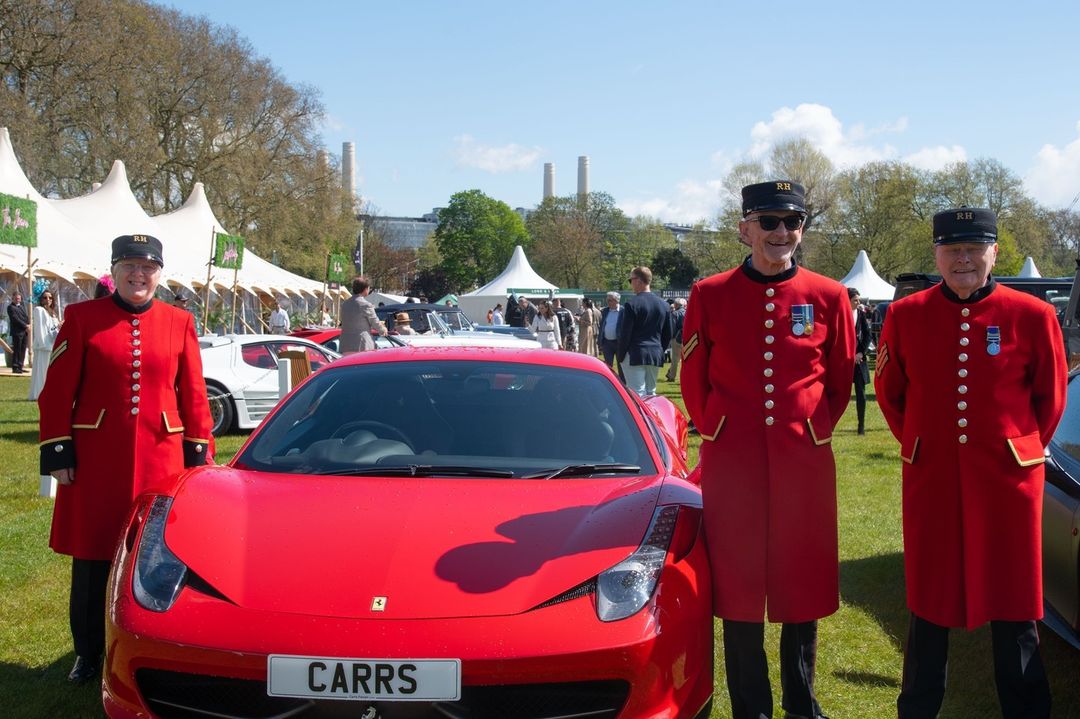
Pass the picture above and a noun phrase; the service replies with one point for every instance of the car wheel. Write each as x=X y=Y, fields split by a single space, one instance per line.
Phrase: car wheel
x=222 y=411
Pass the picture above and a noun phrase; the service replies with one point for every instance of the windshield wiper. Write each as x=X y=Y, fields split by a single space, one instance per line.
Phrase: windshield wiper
x=583 y=470
x=420 y=470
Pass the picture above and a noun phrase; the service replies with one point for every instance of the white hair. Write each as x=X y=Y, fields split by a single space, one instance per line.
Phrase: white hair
x=613 y=296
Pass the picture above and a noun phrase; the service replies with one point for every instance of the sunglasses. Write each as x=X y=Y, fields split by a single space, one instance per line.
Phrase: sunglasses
x=771 y=222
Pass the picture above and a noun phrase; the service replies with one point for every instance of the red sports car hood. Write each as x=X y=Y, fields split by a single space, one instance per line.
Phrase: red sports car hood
x=429 y=547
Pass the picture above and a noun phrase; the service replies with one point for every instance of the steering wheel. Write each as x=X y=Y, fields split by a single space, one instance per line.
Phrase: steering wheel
x=393 y=432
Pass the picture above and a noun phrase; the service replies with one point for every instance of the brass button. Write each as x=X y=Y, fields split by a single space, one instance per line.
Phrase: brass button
x=964 y=341
x=770 y=421
x=769 y=307
x=136 y=351
x=962 y=422
x=768 y=371
x=135 y=333
x=768 y=356
x=136 y=375
x=135 y=387
x=963 y=357
x=769 y=339
x=965 y=312
x=58 y=448
x=962 y=389
x=136 y=342
x=199 y=448
x=963 y=439
x=961 y=405
x=769 y=404
x=134 y=410
x=135 y=322
x=962 y=372
x=770 y=292
x=964 y=326
x=769 y=324
x=769 y=389
x=136 y=363
x=135 y=399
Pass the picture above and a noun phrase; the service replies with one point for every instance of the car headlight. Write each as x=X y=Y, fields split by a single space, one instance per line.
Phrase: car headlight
x=625 y=588
x=159 y=575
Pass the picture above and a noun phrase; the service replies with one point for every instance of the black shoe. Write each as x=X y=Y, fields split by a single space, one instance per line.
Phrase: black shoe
x=862 y=431
x=84 y=670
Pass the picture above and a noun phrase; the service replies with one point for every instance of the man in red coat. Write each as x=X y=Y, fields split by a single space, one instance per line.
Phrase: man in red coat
x=123 y=411
x=768 y=355
x=971 y=378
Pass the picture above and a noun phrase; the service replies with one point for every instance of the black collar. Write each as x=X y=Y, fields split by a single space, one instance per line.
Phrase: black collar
x=756 y=276
x=119 y=301
x=977 y=295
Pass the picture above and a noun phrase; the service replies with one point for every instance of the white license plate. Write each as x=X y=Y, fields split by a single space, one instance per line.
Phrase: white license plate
x=401 y=680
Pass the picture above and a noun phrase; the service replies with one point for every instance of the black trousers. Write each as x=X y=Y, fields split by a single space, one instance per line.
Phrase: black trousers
x=748 y=670
x=609 y=348
x=89 y=578
x=860 y=398
x=18 y=351
x=1022 y=688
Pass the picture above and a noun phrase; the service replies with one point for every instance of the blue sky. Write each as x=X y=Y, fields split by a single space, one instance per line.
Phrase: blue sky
x=665 y=97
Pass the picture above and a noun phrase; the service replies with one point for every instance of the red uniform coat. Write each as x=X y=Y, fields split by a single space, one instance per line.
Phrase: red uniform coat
x=123 y=402
x=765 y=400
x=972 y=427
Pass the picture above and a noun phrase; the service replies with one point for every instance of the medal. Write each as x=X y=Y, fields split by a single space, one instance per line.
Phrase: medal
x=993 y=340
x=802 y=320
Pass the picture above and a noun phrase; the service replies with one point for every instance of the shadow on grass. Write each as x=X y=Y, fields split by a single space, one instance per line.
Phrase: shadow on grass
x=46 y=692
x=26 y=436
x=876 y=586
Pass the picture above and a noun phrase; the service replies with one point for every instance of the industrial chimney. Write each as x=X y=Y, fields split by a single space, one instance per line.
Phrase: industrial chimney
x=583 y=176
x=348 y=169
x=549 y=180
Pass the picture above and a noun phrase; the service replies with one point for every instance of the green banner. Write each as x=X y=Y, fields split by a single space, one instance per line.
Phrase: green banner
x=338 y=268
x=229 y=251
x=18 y=221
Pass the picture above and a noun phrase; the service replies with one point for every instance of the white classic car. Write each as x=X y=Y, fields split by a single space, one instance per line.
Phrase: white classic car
x=242 y=376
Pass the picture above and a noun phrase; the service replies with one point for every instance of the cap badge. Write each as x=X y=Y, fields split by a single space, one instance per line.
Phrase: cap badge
x=138 y=238
x=802 y=320
x=965 y=216
x=783 y=186
x=993 y=341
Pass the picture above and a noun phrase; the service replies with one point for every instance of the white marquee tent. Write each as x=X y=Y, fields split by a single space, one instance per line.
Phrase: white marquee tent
x=1029 y=269
x=518 y=275
x=869 y=284
x=75 y=235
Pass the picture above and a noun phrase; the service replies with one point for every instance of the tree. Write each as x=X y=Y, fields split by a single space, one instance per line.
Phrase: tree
x=801 y=162
x=566 y=248
x=187 y=102
x=873 y=211
x=676 y=268
x=431 y=283
x=476 y=236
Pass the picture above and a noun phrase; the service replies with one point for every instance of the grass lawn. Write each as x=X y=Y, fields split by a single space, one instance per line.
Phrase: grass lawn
x=860 y=647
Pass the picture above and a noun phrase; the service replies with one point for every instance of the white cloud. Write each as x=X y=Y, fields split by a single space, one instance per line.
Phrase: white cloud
x=691 y=201
x=824 y=130
x=1055 y=178
x=508 y=158
x=935 y=158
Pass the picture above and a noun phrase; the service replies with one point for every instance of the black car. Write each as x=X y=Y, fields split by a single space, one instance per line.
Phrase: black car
x=1061 y=523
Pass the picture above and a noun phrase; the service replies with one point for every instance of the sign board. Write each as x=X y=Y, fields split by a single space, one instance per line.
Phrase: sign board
x=228 y=251
x=18 y=221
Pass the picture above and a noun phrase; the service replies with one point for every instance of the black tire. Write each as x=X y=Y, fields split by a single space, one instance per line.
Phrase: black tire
x=222 y=410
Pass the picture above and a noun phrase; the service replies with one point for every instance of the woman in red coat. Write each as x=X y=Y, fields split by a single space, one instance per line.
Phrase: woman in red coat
x=768 y=355
x=971 y=378
x=123 y=411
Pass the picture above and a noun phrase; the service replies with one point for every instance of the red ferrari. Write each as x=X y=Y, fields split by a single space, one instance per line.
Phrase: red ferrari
x=425 y=533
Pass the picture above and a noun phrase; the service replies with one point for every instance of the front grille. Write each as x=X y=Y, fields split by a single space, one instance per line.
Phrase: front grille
x=177 y=695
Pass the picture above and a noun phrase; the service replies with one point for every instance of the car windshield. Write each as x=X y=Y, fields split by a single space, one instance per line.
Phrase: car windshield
x=453 y=418
x=1067 y=435
x=457 y=320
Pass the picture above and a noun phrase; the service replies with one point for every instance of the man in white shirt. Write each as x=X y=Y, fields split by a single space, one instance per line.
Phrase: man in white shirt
x=279 y=320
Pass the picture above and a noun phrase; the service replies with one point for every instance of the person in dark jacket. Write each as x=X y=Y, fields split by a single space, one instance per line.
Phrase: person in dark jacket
x=608 y=333
x=863 y=336
x=20 y=326
x=678 y=314
x=644 y=334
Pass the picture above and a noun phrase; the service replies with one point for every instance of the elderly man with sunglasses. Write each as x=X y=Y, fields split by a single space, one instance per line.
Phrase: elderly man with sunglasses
x=971 y=377
x=768 y=355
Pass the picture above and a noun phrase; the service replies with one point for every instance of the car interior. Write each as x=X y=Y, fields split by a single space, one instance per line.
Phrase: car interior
x=512 y=417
